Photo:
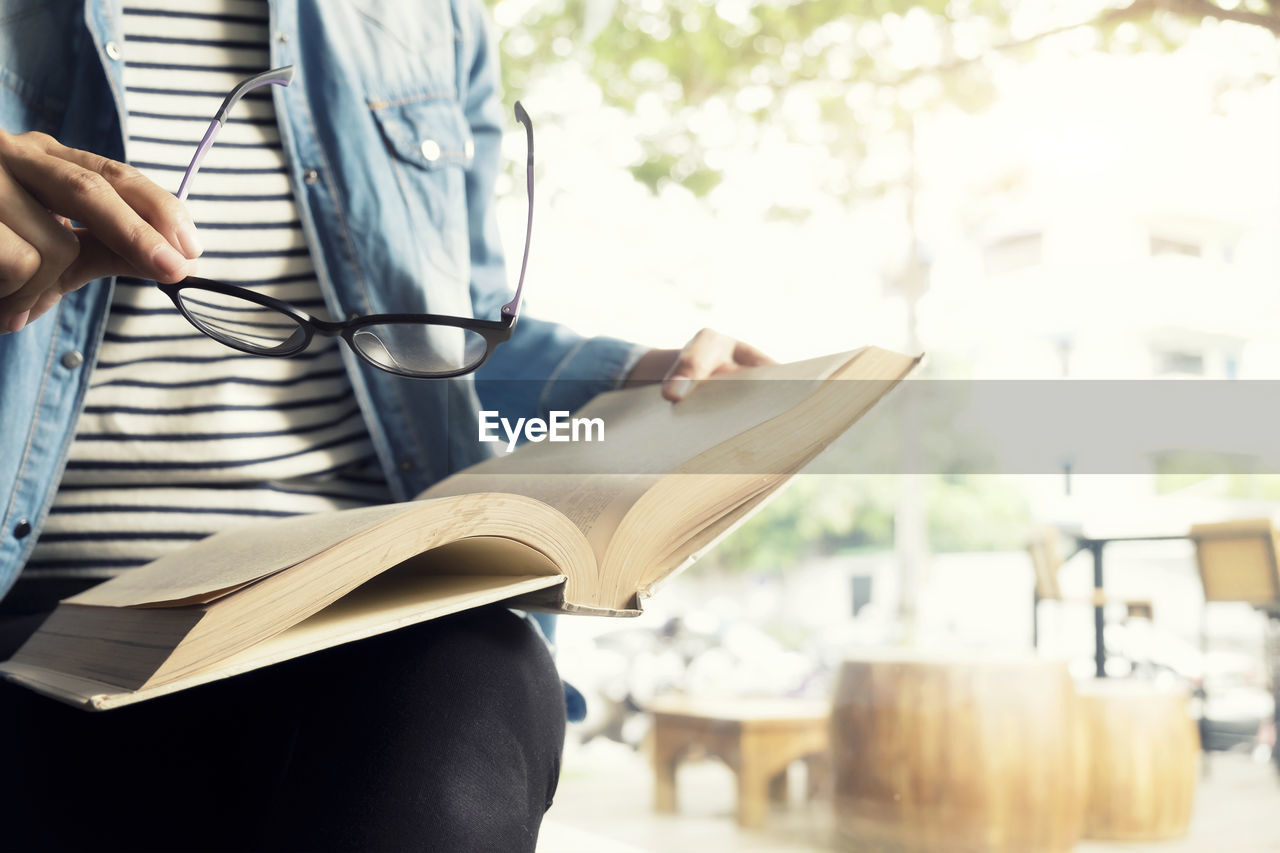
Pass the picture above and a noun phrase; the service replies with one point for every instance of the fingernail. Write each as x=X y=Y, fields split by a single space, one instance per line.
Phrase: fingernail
x=17 y=321
x=168 y=261
x=189 y=240
x=678 y=387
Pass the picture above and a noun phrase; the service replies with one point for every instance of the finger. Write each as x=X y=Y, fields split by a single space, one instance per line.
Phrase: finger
x=159 y=207
x=748 y=356
x=43 y=305
x=17 y=322
x=19 y=261
x=89 y=198
x=96 y=260
x=34 y=251
x=698 y=360
x=674 y=388
x=54 y=256
x=54 y=247
x=705 y=351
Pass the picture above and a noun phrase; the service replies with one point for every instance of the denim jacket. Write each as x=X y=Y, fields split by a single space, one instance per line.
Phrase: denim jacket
x=394 y=225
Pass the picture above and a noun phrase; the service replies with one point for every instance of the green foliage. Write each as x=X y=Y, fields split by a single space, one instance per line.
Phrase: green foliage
x=862 y=67
x=814 y=515
x=825 y=515
x=1216 y=475
x=843 y=57
x=743 y=60
x=976 y=513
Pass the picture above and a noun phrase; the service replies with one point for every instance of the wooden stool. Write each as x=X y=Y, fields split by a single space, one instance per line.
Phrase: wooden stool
x=1143 y=752
x=757 y=738
x=935 y=753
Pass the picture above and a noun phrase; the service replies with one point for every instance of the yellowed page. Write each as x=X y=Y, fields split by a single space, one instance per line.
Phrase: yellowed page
x=229 y=560
x=712 y=486
x=402 y=603
x=595 y=503
x=645 y=437
x=594 y=484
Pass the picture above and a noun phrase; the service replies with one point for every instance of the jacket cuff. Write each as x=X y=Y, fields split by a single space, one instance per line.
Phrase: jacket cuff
x=593 y=366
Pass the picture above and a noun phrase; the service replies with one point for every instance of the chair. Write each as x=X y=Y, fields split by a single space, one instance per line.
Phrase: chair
x=1237 y=561
x=1044 y=548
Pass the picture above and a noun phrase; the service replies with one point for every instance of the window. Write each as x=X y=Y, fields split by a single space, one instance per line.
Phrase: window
x=1014 y=252
x=861 y=592
x=1169 y=246
x=1179 y=363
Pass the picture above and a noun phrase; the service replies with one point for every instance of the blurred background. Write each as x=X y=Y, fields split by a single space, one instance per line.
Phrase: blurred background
x=1038 y=190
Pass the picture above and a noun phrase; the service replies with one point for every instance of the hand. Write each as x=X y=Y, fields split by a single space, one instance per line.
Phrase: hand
x=131 y=225
x=707 y=354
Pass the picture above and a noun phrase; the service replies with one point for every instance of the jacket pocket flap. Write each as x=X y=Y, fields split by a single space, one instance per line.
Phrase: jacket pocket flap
x=430 y=134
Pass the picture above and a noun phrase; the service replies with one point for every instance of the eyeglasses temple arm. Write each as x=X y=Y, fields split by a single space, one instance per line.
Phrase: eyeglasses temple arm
x=512 y=308
x=198 y=158
x=276 y=76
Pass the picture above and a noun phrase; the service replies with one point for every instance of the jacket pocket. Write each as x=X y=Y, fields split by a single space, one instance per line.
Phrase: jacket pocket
x=431 y=148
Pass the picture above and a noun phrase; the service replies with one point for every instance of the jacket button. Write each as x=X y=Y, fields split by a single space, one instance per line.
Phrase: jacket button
x=430 y=150
x=310 y=176
x=21 y=529
x=406 y=464
x=113 y=50
x=72 y=360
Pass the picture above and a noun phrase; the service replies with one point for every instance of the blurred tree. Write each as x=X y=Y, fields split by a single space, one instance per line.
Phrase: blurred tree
x=847 y=82
x=846 y=75
x=815 y=515
x=820 y=515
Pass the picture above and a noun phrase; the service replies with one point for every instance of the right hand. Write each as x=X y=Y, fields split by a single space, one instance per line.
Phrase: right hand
x=130 y=225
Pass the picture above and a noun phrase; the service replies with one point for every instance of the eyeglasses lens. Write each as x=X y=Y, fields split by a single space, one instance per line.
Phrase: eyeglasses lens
x=420 y=350
x=240 y=323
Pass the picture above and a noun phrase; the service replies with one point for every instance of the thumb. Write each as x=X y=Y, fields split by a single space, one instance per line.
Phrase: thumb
x=675 y=387
x=97 y=260
x=93 y=260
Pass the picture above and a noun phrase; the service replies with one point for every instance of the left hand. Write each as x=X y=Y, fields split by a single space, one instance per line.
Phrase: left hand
x=706 y=354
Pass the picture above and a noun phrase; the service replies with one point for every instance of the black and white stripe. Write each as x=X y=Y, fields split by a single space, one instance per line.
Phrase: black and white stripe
x=180 y=435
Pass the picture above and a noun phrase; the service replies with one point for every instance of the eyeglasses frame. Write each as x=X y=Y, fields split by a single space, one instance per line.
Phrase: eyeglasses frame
x=493 y=332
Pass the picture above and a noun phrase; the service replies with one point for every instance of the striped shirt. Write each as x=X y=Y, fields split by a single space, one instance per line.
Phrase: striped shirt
x=181 y=436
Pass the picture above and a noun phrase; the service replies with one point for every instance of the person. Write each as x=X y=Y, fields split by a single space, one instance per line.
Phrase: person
x=365 y=187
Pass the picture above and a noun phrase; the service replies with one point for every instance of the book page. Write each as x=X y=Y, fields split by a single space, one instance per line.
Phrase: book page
x=708 y=489
x=646 y=436
x=229 y=560
x=403 y=601
x=595 y=503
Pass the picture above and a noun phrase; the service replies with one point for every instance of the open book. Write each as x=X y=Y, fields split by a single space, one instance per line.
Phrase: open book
x=569 y=527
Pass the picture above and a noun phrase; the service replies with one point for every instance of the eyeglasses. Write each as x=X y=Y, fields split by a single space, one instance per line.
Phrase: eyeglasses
x=420 y=346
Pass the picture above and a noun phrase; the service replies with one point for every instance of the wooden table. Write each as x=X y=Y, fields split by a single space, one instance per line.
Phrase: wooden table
x=757 y=738
x=1095 y=545
x=951 y=754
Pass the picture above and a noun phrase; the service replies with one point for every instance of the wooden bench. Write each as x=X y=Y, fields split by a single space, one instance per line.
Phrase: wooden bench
x=757 y=738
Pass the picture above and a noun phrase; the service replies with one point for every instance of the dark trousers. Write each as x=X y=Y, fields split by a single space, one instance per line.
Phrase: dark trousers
x=444 y=736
